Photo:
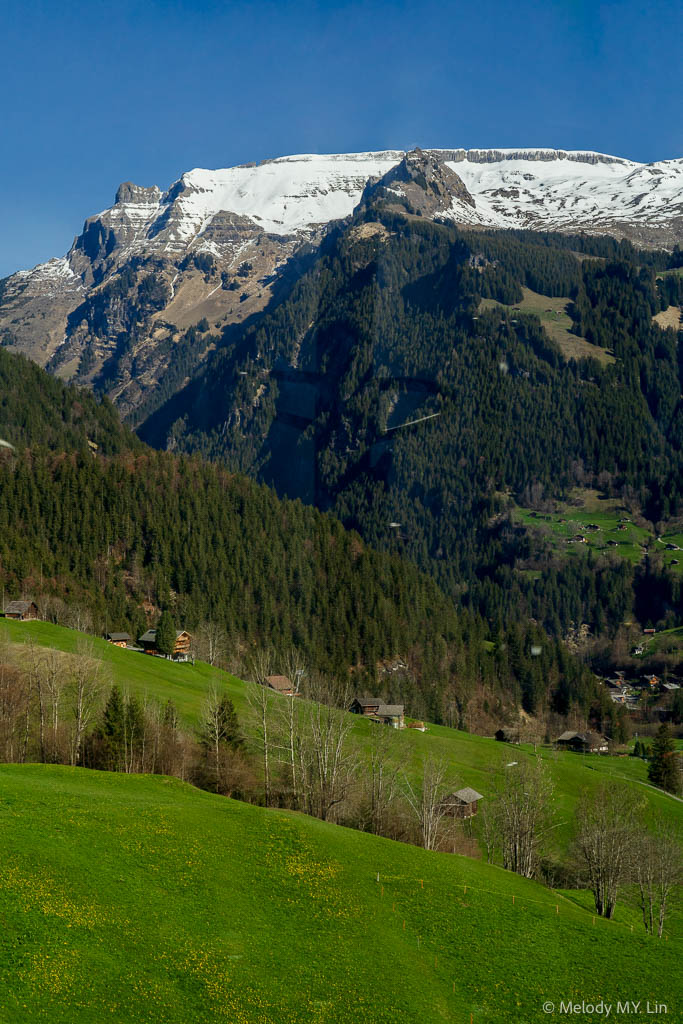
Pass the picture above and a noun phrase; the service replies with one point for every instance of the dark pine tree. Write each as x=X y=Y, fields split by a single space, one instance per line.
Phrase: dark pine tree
x=166 y=634
x=663 y=770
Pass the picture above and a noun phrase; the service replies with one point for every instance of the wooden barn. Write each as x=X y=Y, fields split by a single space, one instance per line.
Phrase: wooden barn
x=282 y=685
x=583 y=742
x=377 y=711
x=22 y=610
x=390 y=714
x=365 y=706
x=461 y=804
x=119 y=639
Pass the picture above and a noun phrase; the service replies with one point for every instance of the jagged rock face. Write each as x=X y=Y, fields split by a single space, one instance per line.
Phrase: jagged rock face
x=114 y=310
x=422 y=183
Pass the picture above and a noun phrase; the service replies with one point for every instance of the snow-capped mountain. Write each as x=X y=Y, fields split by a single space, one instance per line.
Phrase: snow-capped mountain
x=216 y=243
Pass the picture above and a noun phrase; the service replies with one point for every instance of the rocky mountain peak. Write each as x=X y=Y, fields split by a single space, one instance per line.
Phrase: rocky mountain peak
x=127 y=193
x=216 y=244
x=421 y=183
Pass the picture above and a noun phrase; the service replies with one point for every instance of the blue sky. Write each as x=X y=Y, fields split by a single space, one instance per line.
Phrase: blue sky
x=97 y=93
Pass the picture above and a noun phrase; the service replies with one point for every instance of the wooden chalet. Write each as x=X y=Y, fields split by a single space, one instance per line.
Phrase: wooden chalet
x=181 y=649
x=282 y=684
x=507 y=736
x=377 y=711
x=461 y=804
x=25 y=611
x=365 y=706
x=119 y=639
x=583 y=742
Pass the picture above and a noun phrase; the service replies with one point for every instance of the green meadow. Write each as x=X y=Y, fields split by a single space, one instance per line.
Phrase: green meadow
x=139 y=899
x=607 y=527
x=667 y=641
x=186 y=685
x=552 y=312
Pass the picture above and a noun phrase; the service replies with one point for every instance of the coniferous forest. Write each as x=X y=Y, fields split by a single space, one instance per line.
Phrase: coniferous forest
x=320 y=398
x=108 y=542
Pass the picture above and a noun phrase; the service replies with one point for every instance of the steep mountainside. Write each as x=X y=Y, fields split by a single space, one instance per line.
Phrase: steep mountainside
x=133 y=308
x=106 y=537
x=39 y=410
x=401 y=385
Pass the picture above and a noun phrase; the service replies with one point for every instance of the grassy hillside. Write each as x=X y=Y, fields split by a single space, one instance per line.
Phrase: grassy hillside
x=668 y=641
x=475 y=760
x=552 y=312
x=607 y=527
x=134 y=899
x=143 y=675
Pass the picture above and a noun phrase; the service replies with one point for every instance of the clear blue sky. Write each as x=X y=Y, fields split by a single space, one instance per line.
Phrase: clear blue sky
x=97 y=93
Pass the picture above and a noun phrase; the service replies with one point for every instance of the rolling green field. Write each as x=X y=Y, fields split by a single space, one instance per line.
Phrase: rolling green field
x=139 y=899
x=667 y=641
x=552 y=312
x=474 y=760
x=613 y=535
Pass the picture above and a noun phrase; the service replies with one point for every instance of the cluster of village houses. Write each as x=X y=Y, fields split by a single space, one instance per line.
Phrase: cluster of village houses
x=630 y=692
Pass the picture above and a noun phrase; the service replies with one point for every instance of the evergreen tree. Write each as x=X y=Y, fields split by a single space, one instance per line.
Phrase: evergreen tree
x=220 y=724
x=663 y=770
x=166 y=634
x=113 y=730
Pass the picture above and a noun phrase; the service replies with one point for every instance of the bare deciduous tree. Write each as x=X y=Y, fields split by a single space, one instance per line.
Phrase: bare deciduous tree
x=13 y=690
x=218 y=731
x=78 y=617
x=522 y=810
x=658 y=872
x=54 y=681
x=258 y=664
x=605 y=838
x=211 y=643
x=490 y=831
x=329 y=761
x=426 y=799
x=86 y=683
x=35 y=669
x=293 y=665
x=260 y=700
x=382 y=778
x=290 y=714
